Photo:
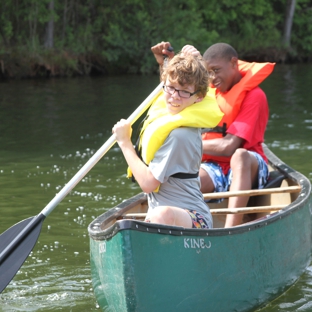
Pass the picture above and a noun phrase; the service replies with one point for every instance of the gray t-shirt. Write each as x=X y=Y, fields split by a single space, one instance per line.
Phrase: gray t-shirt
x=180 y=153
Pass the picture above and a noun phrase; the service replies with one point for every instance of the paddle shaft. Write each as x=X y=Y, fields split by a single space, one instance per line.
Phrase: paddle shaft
x=76 y=178
x=99 y=154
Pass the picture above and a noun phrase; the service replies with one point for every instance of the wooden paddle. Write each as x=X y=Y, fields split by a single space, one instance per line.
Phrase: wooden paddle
x=18 y=241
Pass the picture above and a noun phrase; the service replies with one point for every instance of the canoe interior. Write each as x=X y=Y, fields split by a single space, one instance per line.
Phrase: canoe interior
x=137 y=208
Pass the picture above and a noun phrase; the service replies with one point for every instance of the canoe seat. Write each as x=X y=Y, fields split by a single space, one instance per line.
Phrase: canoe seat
x=275 y=179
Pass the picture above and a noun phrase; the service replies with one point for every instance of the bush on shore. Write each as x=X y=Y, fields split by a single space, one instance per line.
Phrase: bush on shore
x=45 y=38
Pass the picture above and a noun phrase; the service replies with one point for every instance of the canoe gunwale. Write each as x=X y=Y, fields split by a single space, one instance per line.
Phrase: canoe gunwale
x=97 y=233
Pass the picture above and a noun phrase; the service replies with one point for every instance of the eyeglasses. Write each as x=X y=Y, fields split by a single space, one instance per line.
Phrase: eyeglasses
x=182 y=93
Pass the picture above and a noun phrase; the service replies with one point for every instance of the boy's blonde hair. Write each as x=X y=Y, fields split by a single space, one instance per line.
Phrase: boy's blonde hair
x=187 y=69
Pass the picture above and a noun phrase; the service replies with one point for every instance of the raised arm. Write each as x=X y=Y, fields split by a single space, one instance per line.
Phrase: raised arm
x=161 y=49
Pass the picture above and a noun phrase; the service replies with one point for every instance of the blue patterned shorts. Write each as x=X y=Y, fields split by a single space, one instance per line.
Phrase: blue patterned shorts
x=198 y=221
x=222 y=182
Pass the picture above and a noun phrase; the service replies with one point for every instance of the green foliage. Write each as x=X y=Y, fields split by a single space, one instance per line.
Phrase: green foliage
x=144 y=24
x=302 y=28
x=245 y=24
x=117 y=35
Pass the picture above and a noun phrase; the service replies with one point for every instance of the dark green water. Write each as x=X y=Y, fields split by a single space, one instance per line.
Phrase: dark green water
x=50 y=128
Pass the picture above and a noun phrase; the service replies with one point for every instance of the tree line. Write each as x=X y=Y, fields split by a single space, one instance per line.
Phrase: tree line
x=85 y=37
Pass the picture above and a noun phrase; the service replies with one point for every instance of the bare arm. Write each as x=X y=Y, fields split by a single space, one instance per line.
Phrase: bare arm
x=142 y=174
x=225 y=146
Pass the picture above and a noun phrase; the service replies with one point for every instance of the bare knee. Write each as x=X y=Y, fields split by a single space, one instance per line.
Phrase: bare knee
x=240 y=156
x=162 y=215
x=244 y=165
x=171 y=216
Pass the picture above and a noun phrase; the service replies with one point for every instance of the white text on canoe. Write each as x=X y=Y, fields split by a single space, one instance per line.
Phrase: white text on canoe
x=196 y=243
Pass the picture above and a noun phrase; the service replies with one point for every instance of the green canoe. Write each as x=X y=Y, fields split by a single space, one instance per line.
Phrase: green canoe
x=144 y=267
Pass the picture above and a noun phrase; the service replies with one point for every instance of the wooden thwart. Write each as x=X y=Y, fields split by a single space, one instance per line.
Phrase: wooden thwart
x=240 y=210
x=245 y=210
x=287 y=189
x=221 y=211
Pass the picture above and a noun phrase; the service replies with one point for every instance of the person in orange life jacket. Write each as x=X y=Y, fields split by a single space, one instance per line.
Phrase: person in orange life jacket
x=178 y=201
x=235 y=161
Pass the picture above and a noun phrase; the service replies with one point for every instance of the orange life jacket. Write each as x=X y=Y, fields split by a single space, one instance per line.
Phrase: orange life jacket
x=230 y=102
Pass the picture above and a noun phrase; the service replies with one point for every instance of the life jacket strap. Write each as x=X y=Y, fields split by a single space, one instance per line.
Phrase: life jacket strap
x=217 y=129
x=182 y=175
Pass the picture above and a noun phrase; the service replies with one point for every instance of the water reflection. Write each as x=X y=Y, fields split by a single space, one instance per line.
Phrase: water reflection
x=50 y=128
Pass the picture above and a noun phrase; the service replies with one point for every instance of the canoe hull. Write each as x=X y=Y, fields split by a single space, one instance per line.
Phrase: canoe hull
x=153 y=272
x=144 y=267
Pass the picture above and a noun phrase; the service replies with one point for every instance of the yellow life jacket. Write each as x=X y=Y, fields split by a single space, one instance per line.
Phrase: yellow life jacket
x=230 y=102
x=160 y=123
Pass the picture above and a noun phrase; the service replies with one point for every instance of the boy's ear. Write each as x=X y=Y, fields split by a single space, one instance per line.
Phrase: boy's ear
x=199 y=99
x=234 y=61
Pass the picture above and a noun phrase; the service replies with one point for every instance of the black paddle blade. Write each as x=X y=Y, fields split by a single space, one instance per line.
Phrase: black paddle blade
x=13 y=260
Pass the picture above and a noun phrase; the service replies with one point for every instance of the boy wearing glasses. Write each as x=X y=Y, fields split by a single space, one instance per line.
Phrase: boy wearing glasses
x=233 y=156
x=171 y=145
